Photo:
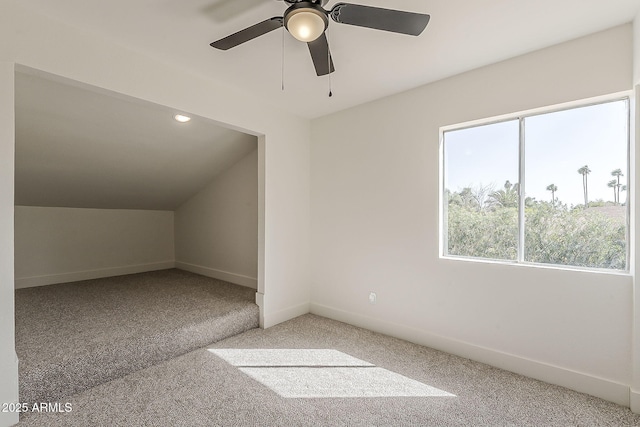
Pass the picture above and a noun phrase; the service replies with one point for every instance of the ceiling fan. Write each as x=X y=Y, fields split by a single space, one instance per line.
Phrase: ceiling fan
x=307 y=21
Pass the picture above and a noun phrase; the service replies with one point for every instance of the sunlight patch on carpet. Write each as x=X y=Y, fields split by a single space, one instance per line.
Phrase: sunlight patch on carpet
x=323 y=373
x=286 y=357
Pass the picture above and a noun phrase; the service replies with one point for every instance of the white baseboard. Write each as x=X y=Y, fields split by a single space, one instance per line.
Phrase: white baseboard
x=51 y=279
x=634 y=396
x=272 y=319
x=584 y=383
x=238 y=279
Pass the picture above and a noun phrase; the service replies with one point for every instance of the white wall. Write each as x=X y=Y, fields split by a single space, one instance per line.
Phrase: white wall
x=216 y=231
x=636 y=49
x=635 y=230
x=375 y=191
x=57 y=245
x=635 y=224
x=8 y=358
x=32 y=40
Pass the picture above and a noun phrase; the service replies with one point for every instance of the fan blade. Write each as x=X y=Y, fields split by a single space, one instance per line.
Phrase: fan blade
x=396 y=21
x=319 y=49
x=248 y=33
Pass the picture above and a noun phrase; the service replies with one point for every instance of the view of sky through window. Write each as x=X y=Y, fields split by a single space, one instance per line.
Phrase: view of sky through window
x=482 y=156
x=575 y=188
x=557 y=145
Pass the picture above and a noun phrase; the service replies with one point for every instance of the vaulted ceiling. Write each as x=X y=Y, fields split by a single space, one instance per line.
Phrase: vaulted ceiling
x=82 y=147
x=462 y=35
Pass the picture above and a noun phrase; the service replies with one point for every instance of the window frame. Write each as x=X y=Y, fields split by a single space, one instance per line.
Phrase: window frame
x=520 y=116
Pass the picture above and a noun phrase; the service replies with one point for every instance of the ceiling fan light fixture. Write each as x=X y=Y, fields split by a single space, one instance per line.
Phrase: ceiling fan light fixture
x=305 y=23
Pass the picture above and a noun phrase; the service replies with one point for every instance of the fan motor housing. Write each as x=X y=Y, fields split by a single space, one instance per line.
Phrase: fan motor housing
x=320 y=2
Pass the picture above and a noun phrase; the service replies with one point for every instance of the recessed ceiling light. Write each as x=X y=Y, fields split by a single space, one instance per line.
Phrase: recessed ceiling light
x=181 y=118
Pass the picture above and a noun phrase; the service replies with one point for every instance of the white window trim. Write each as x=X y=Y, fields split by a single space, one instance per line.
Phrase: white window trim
x=521 y=116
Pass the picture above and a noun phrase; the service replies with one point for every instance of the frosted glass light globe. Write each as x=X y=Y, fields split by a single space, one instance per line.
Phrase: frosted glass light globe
x=305 y=25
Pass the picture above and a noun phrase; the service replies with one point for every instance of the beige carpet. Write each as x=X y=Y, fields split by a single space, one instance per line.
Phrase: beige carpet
x=74 y=336
x=312 y=371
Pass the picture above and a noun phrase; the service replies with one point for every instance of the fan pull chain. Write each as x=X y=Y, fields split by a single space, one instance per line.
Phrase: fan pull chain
x=330 y=92
x=329 y=64
x=282 y=87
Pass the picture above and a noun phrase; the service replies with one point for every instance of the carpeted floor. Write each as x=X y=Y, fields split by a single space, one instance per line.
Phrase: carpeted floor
x=312 y=371
x=74 y=336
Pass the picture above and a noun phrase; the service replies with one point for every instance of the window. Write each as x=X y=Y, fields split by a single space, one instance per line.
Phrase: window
x=540 y=188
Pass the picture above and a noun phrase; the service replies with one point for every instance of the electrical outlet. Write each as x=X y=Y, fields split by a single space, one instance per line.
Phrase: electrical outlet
x=373 y=298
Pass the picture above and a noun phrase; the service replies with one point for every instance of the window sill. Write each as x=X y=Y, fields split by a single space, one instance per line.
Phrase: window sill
x=536 y=265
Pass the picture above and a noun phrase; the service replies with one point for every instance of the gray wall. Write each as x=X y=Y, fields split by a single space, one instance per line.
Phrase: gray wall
x=215 y=233
x=217 y=229
x=57 y=245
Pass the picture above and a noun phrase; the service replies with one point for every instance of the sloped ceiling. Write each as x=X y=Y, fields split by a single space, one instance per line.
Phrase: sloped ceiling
x=80 y=147
x=462 y=35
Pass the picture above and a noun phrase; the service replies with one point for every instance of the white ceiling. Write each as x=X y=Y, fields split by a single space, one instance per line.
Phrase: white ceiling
x=80 y=147
x=462 y=35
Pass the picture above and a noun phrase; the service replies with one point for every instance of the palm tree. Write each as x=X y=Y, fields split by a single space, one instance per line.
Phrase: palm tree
x=613 y=184
x=617 y=173
x=584 y=171
x=506 y=197
x=553 y=188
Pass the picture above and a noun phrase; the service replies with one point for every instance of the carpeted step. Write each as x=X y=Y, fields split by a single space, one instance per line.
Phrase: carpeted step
x=74 y=336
